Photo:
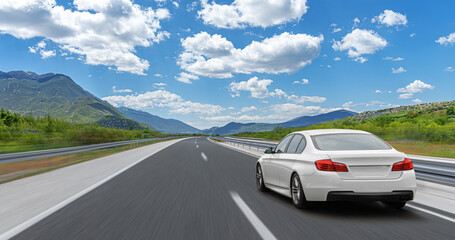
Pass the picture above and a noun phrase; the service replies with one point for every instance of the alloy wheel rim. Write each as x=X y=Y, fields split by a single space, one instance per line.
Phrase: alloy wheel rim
x=259 y=176
x=296 y=190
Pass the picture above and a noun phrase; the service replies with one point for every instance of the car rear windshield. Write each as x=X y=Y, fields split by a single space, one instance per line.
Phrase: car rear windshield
x=349 y=141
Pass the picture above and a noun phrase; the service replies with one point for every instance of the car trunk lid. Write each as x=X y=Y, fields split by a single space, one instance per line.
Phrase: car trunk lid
x=366 y=164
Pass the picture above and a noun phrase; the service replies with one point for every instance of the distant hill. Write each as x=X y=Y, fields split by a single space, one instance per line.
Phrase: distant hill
x=310 y=120
x=58 y=95
x=161 y=124
x=233 y=127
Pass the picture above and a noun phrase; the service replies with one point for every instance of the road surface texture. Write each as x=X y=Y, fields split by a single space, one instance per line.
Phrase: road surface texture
x=196 y=189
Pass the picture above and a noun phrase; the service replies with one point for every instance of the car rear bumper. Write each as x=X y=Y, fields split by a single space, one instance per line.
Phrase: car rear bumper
x=394 y=196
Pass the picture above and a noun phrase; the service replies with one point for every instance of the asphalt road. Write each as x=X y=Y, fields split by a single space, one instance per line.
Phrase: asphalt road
x=180 y=193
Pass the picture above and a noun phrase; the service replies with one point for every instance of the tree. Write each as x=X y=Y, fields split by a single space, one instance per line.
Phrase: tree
x=412 y=114
x=451 y=110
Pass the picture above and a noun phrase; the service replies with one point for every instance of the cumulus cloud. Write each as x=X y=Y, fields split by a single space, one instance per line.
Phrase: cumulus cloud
x=186 y=77
x=415 y=87
x=417 y=100
x=214 y=56
x=449 y=69
x=449 y=40
x=102 y=32
x=259 y=89
x=163 y=99
x=360 y=42
x=390 y=18
x=41 y=49
x=114 y=89
x=336 y=59
x=304 y=81
x=254 y=13
x=398 y=70
x=379 y=91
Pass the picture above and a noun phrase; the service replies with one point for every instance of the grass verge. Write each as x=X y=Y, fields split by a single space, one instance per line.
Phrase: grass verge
x=18 y=170
x=426 y=148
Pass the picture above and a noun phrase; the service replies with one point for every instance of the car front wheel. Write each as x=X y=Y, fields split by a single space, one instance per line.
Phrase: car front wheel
x=260 y=179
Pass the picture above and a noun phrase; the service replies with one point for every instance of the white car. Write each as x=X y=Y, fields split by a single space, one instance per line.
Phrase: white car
x=336 y=165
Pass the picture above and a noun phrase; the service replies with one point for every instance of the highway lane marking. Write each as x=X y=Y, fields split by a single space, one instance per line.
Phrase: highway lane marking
x=197 y=146
x=204 y=157
x=432 y=213
x=263 y=231
x=32 y=221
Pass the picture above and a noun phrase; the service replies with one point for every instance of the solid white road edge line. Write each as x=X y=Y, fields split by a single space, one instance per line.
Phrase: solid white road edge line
x=263 y=231
x=21 y=227
x=432 y=213
x=204 y=157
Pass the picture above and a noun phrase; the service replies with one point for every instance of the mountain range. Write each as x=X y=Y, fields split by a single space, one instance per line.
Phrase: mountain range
x=233 y=127
x=58 y=95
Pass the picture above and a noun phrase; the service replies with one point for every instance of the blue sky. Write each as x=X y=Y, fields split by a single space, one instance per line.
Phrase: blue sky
x=208 y=63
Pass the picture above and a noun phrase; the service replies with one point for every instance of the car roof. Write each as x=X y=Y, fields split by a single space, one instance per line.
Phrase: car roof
x=330 y=131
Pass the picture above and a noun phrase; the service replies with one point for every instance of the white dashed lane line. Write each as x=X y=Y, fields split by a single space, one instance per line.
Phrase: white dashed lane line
x=204 y=157
x=263 y=231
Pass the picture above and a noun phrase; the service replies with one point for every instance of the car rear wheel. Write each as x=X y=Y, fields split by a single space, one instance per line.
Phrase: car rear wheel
x=396 y=205
x=260 y=179
x=298 y=197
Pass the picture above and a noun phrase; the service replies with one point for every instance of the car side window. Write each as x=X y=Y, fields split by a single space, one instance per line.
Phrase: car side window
x=301 y=146
x=282 y=145
x=292 y=148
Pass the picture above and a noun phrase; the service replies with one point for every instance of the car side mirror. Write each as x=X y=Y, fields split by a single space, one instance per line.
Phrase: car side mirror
x=269 y=150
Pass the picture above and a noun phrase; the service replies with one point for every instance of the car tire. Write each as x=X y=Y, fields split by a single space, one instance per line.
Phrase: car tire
x=396 y=205
x=260 y=179
x=297 y=194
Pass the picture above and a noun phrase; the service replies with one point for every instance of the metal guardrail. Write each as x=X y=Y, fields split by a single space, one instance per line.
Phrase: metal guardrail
x=23 y=156
x=431 y=169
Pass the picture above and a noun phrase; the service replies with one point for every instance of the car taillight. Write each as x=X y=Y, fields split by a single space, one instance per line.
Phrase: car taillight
x=328 y=165
x=403 y=165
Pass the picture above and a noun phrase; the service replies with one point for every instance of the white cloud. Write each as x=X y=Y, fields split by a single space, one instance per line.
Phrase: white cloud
x=186 y=77
x=356 y=23
x=293 y=110
x=379 y=91
x=114 y=89
x=176 y=4
x=337 y=59
x=40 y=48
x=304 y=81
x=214 y=56
x=351 y=104
x=248 y=109
x=415 y=87
x=259 y=89
x=394 y=59
x=335 y=29
x=360 y=42
x=390 y=18
x=398 y=70
x=412 y=35
x=103 y=32
x=163 y=99
x=158 y=75
x=417 y=100
x=447 y=40
x=449 y=69
x=159 y=85
x=254 y=13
